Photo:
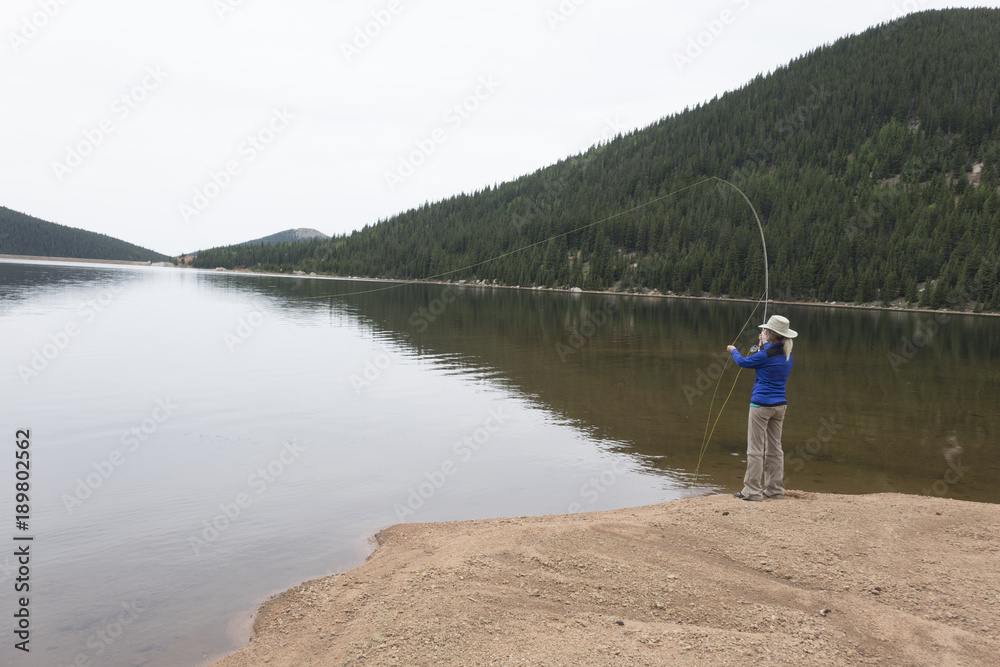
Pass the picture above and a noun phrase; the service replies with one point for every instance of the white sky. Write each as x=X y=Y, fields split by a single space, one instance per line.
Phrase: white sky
x=202 y=76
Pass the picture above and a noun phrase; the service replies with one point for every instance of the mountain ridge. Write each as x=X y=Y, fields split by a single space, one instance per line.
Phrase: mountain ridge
x=25 y=235
x=289 y=236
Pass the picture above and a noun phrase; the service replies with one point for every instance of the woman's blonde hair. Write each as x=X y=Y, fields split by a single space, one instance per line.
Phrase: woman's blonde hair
x=786 y=343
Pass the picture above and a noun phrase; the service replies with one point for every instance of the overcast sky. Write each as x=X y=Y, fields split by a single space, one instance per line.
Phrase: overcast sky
x=193 y=123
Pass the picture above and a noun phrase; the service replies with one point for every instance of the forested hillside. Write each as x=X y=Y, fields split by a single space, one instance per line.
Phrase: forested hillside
x=873 y=163
x=22 y=234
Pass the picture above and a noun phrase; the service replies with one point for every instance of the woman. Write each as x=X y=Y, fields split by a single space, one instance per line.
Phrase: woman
x=773 y=362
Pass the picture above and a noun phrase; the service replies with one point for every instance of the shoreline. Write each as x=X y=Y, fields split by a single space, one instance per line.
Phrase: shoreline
x=815 y=579
x=575 y=290
x=559 y=290
x=78 y=260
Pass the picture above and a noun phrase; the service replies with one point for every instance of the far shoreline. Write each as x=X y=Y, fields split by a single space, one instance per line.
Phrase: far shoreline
x=558 y=290
x=577 y=290
x=77 y=260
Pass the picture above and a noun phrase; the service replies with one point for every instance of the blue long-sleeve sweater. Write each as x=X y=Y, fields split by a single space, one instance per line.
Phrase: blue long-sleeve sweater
x=772 y=373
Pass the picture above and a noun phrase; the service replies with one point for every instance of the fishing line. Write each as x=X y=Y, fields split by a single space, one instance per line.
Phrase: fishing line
x=537 y=243
x=396 y=285
x=707 y=436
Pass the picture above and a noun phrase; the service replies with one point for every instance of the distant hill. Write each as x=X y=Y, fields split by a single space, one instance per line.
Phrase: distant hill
x=289 y=236
x=874 y=163
x=22 y=234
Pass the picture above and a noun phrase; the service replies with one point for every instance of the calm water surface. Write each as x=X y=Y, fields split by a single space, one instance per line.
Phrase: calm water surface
x=202 y=440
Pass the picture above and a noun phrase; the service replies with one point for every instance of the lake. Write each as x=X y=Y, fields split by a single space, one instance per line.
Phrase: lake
x=201 y=440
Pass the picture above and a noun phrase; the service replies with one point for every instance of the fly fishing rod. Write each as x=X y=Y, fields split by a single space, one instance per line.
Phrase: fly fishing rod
x=707 y=437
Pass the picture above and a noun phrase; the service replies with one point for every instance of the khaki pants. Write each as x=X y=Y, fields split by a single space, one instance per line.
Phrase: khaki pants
x=764 y=453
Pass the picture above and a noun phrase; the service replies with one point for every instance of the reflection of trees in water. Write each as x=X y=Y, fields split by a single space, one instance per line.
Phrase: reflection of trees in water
x=21 y=282
x=615 y=366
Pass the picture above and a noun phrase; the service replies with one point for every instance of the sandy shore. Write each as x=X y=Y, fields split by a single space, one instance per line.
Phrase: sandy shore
x=813 y=579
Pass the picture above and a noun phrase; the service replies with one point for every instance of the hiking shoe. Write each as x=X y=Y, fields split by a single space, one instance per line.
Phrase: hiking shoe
x=742 y=497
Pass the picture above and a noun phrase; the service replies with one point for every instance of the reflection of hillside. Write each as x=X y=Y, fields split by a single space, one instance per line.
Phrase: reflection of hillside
x=24 y=282
x=617 y=367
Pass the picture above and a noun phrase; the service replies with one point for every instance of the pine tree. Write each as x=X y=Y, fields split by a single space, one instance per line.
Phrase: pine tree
x=938 y=296
x=925 y=295
x=912 y=296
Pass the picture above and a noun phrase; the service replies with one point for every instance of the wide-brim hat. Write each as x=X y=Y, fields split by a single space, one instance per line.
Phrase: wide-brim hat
x=779 y=325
